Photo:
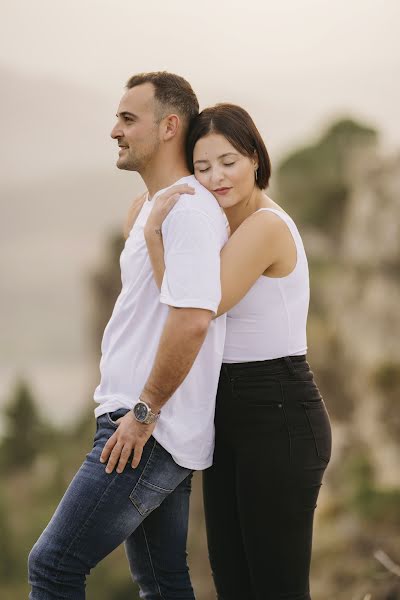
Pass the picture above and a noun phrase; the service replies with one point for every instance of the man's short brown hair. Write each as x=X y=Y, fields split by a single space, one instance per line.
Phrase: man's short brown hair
x=171 y=92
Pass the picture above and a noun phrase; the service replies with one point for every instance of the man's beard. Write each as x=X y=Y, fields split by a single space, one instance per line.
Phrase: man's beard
x=128 y=163
x=137 y=163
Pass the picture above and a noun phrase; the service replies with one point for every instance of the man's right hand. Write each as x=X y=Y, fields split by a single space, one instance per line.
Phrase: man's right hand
x=130 y=435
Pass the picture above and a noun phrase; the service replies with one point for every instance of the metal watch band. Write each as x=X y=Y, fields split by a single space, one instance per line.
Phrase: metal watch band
x=151 y=417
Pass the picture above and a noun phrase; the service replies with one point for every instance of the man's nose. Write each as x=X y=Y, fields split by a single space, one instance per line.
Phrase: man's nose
x=116 y=132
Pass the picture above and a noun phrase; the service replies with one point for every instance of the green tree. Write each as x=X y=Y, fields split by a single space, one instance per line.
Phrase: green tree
x=25 y=432
x=6 y=546
x=314 y=181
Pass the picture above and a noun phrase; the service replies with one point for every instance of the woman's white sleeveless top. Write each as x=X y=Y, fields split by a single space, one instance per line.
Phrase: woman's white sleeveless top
x=270 y=321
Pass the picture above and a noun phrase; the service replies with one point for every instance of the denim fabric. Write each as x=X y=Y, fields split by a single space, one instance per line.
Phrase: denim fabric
x=273 y=443
x=147 y=508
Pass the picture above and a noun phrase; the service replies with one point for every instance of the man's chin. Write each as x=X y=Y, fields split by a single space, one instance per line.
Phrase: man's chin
x=124 y=166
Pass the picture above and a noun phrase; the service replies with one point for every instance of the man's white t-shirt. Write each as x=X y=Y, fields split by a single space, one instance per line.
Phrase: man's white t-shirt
x=194 y=233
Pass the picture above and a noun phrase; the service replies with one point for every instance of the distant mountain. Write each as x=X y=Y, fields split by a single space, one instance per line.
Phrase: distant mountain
x=48 y=125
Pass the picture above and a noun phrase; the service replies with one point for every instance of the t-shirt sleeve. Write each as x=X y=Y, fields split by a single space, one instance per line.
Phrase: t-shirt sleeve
x=192 y=261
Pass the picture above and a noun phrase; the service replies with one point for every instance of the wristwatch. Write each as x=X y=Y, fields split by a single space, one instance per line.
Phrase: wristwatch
x=143 y=413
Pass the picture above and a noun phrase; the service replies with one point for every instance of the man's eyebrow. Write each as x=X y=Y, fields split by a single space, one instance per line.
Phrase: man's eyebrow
x=222 y=156
x=125 y=113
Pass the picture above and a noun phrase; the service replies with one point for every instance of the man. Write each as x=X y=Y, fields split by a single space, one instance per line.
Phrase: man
x=159 y=353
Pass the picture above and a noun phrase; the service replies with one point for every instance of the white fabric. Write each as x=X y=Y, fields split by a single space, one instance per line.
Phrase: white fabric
x=270 y=321
x=193 y=234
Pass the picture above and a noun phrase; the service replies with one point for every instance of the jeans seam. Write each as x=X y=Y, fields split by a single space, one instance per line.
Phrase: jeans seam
x=312 y=431
x=152 y=486
x=286 y=421
x=314 y=438
x=140 y=478
x=151 y=562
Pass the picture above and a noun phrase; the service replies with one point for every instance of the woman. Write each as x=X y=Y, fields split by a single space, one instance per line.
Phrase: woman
x=273 y=437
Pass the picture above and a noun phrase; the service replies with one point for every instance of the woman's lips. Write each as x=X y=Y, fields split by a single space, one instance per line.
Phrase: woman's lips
x=222 y=191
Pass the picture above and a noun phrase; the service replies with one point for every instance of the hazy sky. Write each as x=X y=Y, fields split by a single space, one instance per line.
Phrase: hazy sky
x=293 y=63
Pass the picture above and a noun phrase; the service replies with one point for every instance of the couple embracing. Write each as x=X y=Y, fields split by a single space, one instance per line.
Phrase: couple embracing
x=203 y=368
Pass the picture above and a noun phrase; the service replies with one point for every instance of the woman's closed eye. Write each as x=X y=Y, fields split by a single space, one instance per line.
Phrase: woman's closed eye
x=208 y=168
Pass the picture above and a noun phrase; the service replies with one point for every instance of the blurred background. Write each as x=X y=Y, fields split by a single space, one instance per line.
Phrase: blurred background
x=321 y=81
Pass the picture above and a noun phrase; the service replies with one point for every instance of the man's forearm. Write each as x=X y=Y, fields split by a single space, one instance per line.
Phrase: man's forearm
x=183 y=335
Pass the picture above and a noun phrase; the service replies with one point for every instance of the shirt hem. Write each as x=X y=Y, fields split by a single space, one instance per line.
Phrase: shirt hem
x=229 y=360
x=186 y=464
x=190 y=303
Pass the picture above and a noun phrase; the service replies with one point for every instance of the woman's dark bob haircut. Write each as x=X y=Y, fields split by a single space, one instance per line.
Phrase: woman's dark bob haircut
x=236 y=125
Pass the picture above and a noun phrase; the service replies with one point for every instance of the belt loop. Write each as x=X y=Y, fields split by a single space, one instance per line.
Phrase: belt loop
x=226 y=370
x=289 y=365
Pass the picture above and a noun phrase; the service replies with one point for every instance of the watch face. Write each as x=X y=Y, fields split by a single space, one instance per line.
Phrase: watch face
x=140 y=410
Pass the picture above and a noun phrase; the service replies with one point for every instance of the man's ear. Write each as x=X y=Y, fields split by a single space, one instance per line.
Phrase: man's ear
x=171 y=125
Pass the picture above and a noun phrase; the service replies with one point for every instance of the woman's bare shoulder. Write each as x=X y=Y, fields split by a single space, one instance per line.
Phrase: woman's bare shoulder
x=264 y=221
x=133 y=213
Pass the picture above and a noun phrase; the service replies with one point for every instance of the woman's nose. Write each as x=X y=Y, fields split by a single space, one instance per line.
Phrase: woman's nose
x=217 y=175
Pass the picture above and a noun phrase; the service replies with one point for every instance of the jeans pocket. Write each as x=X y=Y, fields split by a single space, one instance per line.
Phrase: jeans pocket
x=159 y=478
x=146 y=497
x=113 y=416
x=110 y=421
x=318 y=421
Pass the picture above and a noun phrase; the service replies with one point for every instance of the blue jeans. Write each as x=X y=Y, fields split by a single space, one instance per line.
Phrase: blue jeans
x=147 y=508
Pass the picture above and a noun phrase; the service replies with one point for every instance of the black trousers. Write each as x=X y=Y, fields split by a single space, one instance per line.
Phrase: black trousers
x=273 y=443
